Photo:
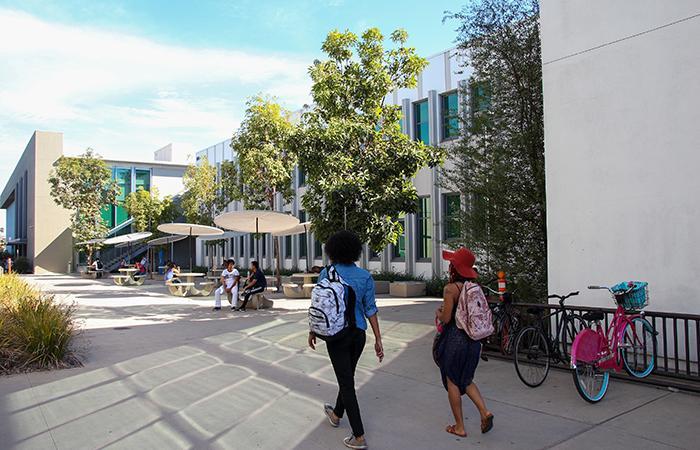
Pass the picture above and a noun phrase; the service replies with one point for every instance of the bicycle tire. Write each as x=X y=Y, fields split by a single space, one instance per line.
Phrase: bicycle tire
x=531 y=356
x=591 y=384
x=648 y=337
x=588 y=393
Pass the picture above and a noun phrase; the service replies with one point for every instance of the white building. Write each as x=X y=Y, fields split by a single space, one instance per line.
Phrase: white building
x=622 y=141
x=430 y=113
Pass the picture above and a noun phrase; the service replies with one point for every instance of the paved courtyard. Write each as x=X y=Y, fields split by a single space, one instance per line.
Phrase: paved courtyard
x=164 y=372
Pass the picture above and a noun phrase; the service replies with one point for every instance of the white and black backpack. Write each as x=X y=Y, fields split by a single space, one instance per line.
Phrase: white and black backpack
x=332 y=310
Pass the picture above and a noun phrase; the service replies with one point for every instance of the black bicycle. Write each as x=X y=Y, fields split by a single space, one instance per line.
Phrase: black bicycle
x=506 y=319
x=535 y=347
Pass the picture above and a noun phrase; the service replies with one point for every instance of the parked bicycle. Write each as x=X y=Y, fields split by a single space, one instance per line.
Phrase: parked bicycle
x=629 y=342
x=506 y=318
x=536 y=348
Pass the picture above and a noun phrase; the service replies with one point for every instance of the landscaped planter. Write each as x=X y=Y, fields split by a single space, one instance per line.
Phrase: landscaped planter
x=407 y=289
x=381 y=286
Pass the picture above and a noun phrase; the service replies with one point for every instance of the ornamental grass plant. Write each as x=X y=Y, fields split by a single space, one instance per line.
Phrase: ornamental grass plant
x=36 y=330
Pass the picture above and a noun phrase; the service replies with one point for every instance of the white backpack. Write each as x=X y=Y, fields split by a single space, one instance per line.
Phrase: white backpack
x=473 y=313
x=332 y=310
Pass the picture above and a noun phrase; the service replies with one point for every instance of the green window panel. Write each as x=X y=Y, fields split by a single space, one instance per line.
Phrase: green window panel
x=424 y=224
x=302 y=177
x=480 y=96
x=303 y=247
x=451 y=219
x=107 y=216
x=421 y=127
x=143 y=179
x=288 y=247
x=449 y=106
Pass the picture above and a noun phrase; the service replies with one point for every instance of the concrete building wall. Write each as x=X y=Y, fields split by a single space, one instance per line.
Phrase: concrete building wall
x=621 y=92
x=37 y=220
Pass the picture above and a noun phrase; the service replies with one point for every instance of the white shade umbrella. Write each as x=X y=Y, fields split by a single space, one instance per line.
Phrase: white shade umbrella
x=255 y=221
x=165 y=240
x=190 y=229
x=90 y=242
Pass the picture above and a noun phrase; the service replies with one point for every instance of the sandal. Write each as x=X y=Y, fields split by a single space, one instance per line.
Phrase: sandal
x=487 y=424
x=452 y=430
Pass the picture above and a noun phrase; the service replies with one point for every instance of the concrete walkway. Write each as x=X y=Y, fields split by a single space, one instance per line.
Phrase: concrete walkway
x=164 y=372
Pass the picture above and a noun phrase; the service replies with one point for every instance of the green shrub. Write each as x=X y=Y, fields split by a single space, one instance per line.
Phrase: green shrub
x=388 y=275
x=22 y=265
x=435 y=286
x=36 y=331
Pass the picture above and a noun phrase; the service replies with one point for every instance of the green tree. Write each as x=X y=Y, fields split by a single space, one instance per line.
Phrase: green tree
x=499 y=160
x=206 y=194
x=265 y=164
x=148 y=210
x=359 y=164
x=84 y=185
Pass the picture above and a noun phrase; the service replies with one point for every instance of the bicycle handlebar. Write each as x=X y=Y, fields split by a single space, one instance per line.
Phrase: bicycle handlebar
x=563 y=297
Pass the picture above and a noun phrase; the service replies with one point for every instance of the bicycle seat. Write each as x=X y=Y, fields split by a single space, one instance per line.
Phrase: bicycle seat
x=593 y=316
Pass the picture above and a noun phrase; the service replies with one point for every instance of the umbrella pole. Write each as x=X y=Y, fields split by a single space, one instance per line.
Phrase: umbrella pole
x=190 y=249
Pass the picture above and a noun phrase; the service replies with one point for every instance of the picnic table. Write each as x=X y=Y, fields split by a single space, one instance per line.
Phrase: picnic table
x=307 y=278
x=187 y=286
x=128 y=277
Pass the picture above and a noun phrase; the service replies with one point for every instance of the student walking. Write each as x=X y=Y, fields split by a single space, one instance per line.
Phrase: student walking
x=345 y=348
x=229 y=285
x=255 y=283
x=456 y=353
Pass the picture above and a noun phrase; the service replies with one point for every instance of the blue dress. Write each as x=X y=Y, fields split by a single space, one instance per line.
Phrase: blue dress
x=458 y=355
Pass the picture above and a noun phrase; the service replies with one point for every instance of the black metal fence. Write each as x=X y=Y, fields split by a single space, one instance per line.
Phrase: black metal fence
x=677 y=349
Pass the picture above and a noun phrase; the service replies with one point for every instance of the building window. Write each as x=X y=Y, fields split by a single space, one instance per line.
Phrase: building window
x=449 y=109
x=143 y=179
x=123 y=179
x=302 y=177
x=288 y=247
x=263 y=241
x=303 y=247
x=480 y=96
x=451 y=218
x=420 y=122
x=251 y=244
x=399 y=249
x=423 y=225
x=241 y=246
x=318 y=248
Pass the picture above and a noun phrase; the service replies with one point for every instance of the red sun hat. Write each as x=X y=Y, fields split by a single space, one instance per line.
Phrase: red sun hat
x=463 y=261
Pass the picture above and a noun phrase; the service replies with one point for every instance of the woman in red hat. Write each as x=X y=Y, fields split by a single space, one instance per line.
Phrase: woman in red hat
x=457 y=354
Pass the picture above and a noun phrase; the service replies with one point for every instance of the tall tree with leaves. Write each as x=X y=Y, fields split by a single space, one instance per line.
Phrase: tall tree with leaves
x=359 y=164
x=148 y=210
x=207 y=194
x=499 y=160
x=84 y=185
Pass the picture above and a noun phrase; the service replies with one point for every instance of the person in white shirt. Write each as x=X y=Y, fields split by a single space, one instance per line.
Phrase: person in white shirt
x=229 y=284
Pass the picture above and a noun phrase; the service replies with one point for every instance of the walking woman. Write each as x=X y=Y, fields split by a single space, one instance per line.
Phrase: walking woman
x=457 y=354
x=343 y=249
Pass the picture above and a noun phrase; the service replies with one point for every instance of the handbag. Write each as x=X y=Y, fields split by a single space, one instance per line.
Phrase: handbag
x=436 y=341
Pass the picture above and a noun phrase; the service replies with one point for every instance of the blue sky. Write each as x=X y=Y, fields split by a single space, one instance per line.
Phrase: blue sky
x=128 y=77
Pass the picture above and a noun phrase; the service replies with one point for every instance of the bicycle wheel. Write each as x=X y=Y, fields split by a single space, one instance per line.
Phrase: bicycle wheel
x=638 y=348
x=574 y=324
x=507 y=335
x=531 y=356
x=591 y=383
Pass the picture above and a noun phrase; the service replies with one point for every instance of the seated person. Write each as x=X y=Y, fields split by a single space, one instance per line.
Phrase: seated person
x=171 y=274
x=229 y=284
x=143 y=265
x=255 y=284
x=97 y=267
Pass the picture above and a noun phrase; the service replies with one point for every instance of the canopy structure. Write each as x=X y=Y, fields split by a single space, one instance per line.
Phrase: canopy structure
x=128 y=238
x=190 y=229
x=225 y=235
x=165 y=240
x=297 y=229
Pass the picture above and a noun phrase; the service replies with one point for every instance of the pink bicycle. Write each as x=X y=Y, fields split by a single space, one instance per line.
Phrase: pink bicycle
x=629 y=343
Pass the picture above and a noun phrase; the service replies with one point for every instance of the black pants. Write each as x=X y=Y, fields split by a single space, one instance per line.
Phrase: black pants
x=344 y=354
x=249 y=292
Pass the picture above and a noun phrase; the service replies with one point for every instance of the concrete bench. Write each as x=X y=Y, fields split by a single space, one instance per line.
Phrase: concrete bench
x=179 y=289
x=407 y=289
x=119 y=280
x=257 y=301
x=292 y=290
x=93 y=273
x=207 y=287
x=381 y=286
x=307 y=288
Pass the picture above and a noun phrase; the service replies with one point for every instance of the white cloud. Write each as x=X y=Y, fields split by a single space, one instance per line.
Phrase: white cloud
x=110 y=89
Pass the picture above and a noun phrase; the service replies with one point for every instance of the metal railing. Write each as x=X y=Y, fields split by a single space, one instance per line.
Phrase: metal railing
x=678 y=341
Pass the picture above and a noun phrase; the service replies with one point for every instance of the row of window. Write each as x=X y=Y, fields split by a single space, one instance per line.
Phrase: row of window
x=115 y=215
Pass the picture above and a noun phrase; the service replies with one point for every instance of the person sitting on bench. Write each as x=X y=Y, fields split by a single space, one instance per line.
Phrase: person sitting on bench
x=229 y=284
x=255 y=284
x=171 y=273
x=97 y=267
